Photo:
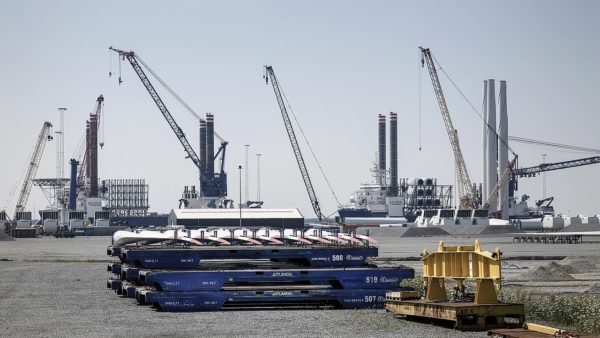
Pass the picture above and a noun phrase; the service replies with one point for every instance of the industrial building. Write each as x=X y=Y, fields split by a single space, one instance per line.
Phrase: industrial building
x=249 y=218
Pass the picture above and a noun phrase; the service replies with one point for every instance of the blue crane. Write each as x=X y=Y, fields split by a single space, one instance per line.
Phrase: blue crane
x=211 y=184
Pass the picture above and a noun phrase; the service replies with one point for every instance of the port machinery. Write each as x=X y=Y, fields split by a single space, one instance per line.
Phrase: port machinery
x=34 y=163
x=281 y=101
x=545 y=167
x=306 y=270
x=466 y=189
x=213 y=186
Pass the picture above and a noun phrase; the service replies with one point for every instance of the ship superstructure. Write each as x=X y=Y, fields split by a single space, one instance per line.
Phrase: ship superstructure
x=389 y=196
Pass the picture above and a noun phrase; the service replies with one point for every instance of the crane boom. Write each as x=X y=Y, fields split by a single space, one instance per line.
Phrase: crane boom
x=270 y=74
x=465 y=188
x=493 y=195
x=131 y=57
x=553 y=145
x=532 y=171
x=33 y=166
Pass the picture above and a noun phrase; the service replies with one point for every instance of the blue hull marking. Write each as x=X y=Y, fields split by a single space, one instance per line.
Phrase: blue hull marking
x=362 y=212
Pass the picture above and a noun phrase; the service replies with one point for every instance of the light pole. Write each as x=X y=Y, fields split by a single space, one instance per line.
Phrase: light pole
x=240 y=205
x=60 y=167
x=246 y=190
x=544 y=175
x=258 y=177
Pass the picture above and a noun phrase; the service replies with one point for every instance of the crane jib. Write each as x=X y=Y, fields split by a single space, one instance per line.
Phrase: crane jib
x=464 y=181
x=34 y=163
x=162 y=107
x=531 y=171
x=294 y=142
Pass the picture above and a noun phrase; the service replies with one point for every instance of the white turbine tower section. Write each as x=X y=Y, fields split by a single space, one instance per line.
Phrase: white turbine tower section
x=492 y=140
x=503 y=149
x=484 y=186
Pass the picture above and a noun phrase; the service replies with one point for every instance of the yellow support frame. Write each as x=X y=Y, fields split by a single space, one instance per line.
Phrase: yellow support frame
x=459 y=263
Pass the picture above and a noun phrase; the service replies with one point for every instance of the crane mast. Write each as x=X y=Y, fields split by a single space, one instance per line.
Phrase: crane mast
x=131 y=57
x=270 y=74
x=465 y=188
x=33 y=166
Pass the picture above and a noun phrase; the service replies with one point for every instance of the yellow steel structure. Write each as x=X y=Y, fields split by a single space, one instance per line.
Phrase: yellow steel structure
x=459 y=263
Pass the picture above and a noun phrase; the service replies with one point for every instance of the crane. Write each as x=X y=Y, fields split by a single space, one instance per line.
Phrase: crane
x=85 y=164
x=133 y=60
x=544 y=167
x=465 y=187
x=34 y=163
x=270 y=74
x=213 y=185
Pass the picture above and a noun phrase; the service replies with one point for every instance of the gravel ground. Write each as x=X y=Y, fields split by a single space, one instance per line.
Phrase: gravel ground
x=57 y=287
x=47 y=299
x=4 y=236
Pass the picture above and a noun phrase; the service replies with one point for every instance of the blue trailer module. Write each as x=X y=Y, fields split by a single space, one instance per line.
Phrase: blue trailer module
x=337 y=278
x=161 y=257
x=211 y=278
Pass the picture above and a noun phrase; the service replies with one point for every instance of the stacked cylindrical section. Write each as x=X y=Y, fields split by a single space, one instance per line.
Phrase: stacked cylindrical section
x=87 y=149
x=73 y=185
x=210 y=144
x=202 y=147
x=503 y=150
x=381 y=168
x=393 y=154
x=93 y=156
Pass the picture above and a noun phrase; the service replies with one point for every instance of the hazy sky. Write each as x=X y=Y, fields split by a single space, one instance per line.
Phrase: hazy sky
x=340 y=63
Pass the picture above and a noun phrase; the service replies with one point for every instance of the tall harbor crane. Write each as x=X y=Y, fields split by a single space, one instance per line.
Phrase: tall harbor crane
x=465 y=187
x=34 y=163
x=211 y=185
x=133 y=60
x=270 y=74
x=89 y=165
